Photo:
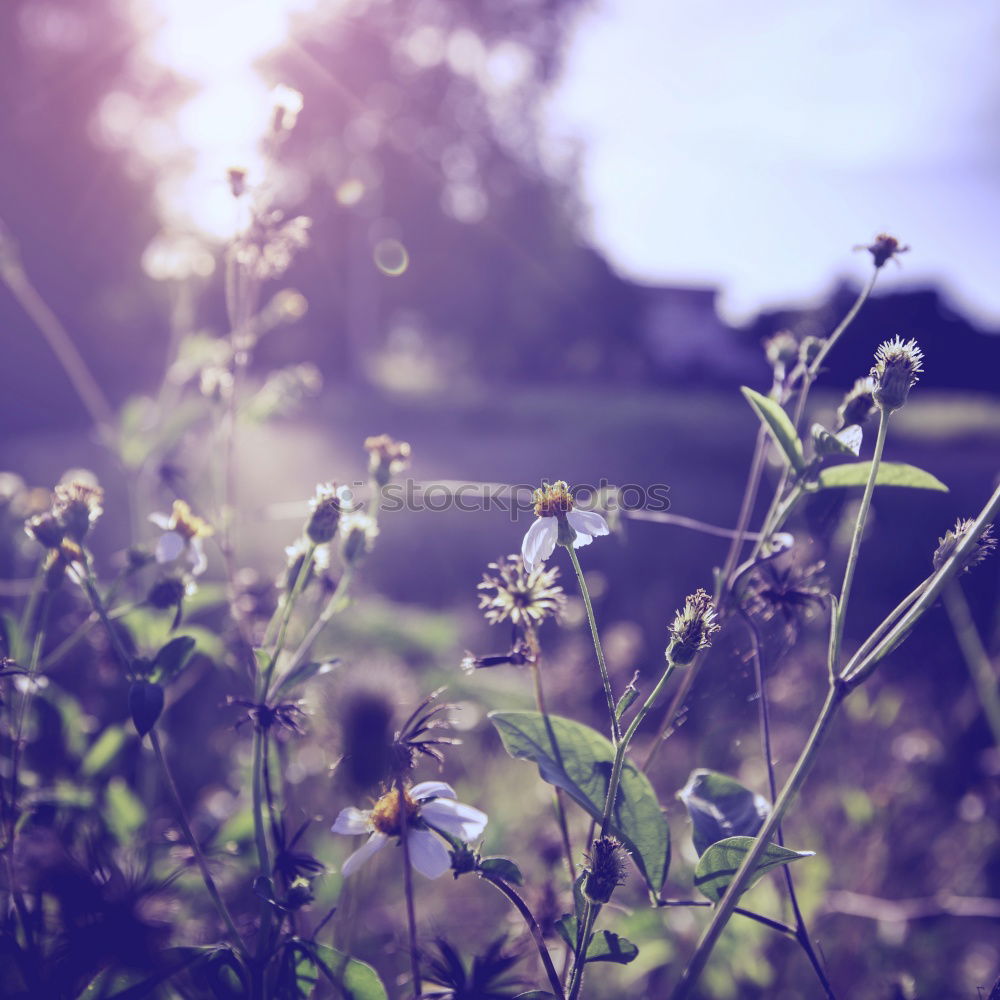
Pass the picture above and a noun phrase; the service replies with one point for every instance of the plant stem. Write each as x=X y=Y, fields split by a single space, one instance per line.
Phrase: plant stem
x=411 y=919
x=852 y=556
x=890 y=619
x=582 y=943
x=775 y=925
x=286 y=616
x=605 y=679
x=536 y=931
x=746 y=511
x=206 y=875
x=976 y=658
x=332 y=606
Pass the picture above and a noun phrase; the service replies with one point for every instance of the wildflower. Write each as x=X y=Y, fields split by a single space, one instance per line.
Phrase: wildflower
x=606 y=869
x=287 y=106
x=897 y=365
x=858 y=406
x=522 y=597
x=883 y=248
x=558 y=522
x=325 y=509
x=386 y=457
x=182 y=536
x=791 y=592
x=77 y=507
x=946 y=546
x=415 y=813
x=357 y=535
x=693 y=628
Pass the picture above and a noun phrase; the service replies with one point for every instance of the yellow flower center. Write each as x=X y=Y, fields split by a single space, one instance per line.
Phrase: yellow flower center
x=386 y=814
x=553 y=500
x=187 y=524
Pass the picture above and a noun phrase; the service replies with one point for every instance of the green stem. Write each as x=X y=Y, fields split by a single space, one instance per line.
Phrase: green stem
x=605 y=679
x=583 y=941
x=206 y=875
x=976 y=657
x=741 y=879
x=286 y=616
x=746 y=510
x=332 y=606
x=890 y=619
x=536 y=931
x=852 y=556
x=411 y=918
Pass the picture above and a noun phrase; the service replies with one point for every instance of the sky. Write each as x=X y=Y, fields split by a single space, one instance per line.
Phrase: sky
x=752 y=145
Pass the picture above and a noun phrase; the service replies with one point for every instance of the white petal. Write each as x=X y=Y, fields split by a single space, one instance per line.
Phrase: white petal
x=455 y=818
x=373 y=845
x=161 y=521
x=850 y=438
x=170 y=547
x=539 y=541
x=581 y=540
x=587 y=522
x=432 y=789
x=427 y=853
x=352 y=821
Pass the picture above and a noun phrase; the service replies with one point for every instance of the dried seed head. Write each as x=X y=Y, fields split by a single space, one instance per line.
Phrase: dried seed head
x=523 y=598
x=897 y=365
x=692 y=628
x=45 y=529
x=946 y=546
x=883 y=248
x=858 y=405
x=386 y=457
x=77 y=505
x=607 y=867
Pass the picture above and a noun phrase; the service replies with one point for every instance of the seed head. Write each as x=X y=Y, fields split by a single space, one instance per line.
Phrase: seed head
x=357 y=536
x=515 y=595
x=883 y=248
x=77 y=506
x=607 y=867
x=858 y=406
x=790 y=592
x=386 y=457
x=897 y=365
x=45 y=529
x=946 y=546
x=693 y=628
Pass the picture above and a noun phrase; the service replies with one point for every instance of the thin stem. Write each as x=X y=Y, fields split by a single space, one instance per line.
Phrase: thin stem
x=741 y=879
x=332 y=606
x=536 y=931
x=746 y=509
x=206 y=875
x=974 y=652
x=801 y=930
x=890 y=619
x=286 y=615
x=411 y=919
x=582 y=942
x=658 y=517
x=605 y=679
x=536 y=675
x=775 y=925
x=859 y=527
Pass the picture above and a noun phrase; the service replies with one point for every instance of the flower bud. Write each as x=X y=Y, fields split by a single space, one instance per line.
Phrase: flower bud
x=386 y=458
x=692 y=629
x=782 y=351
x=167 y=593
x=897 y=365
x=606 y=869
x=858 y=406
x=883 y=248
x=357 y=535
x=326 y=507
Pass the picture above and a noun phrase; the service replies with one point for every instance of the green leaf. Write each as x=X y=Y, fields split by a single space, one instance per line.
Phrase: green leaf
x=889 y=474
x=102 y=751
x=606 y=946
x=355 y=980
x=124 y=812
x=720 y=807
x=778 y=425
x=578 y=759
x=721 y=861
x=302 y=673
x=502 y=868
x=145 y=703
x=171 y=658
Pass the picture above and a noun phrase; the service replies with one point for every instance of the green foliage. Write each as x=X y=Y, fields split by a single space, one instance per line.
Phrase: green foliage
x=578 y=760
x=889 y=474
x=604 y=946
x=124 y=813
x=720 y=807
x=171 y=658
x=304 y=672
x=722 y=860
x=102 y=751
x=778 y=425
x=502 y=868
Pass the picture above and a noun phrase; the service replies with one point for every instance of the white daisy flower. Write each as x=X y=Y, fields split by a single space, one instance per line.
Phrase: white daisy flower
x=428 y=806
x=181 y=541
x=553 y=505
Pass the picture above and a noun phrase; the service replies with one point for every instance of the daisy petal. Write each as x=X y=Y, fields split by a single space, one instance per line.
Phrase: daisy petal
x=197 y=557
x=455 y=818
x=373 y=845
x=161 y=521
x=352 y=821
x=539 y=541
x=170 y=547
x=432 y=789
x=427 y=853
x=587 y=522
x=581 y=540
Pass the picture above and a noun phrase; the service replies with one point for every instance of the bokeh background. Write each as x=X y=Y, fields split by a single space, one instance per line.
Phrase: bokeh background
x=548 y=237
